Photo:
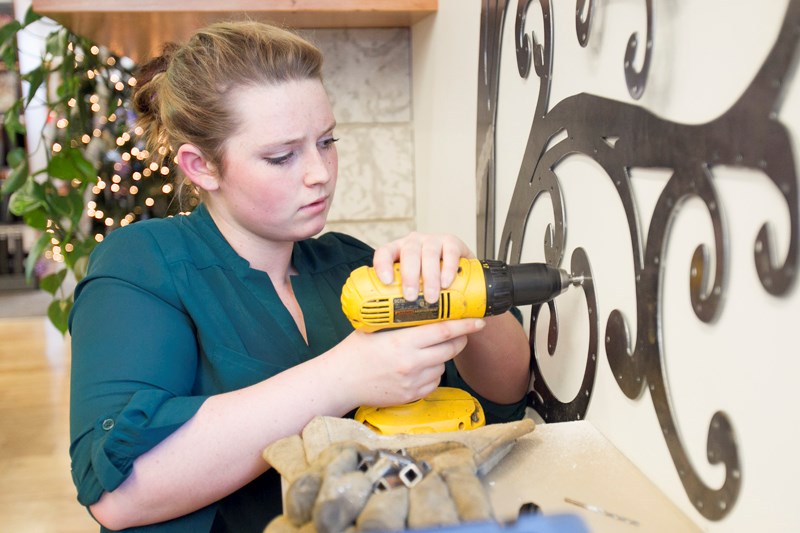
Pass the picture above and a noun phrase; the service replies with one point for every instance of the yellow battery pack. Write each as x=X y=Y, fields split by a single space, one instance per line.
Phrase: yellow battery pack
x=445 y=409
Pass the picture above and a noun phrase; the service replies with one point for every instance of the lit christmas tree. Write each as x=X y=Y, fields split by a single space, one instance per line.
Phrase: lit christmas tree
x=97 y=176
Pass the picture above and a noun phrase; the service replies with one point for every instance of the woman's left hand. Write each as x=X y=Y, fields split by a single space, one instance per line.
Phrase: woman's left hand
x=434 y=257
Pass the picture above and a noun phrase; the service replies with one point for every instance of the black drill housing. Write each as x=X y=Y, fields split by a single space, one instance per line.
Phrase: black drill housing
x=523 y=284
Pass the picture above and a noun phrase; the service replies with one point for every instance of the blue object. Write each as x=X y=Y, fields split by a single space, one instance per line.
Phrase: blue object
x=527 y=523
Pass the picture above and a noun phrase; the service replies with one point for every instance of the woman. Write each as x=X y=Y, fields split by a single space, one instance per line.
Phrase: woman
x=198 y=340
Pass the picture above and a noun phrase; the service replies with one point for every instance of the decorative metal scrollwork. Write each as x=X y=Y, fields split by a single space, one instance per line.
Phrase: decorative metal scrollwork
x=542 y=398
x=636 y=79
x=620 y=136
x=583 y=24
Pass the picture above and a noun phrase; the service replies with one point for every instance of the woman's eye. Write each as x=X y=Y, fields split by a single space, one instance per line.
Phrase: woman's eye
x=328 y=143
x=280 y=160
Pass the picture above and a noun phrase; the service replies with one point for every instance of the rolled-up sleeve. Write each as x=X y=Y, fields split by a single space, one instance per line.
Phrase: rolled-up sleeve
x=134 y=362
x=102 y=457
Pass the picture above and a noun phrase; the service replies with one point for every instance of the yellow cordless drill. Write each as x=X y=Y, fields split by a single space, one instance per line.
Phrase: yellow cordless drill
x=481 y=288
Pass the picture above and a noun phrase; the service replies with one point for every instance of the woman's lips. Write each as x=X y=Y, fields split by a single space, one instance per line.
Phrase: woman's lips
x=317 y=205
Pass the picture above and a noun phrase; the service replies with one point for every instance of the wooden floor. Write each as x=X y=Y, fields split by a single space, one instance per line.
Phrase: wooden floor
x=36 y=491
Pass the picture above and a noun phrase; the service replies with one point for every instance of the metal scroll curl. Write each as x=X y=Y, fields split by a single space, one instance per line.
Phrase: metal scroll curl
x=620 y=136
x=636 y=80
x=542 y=399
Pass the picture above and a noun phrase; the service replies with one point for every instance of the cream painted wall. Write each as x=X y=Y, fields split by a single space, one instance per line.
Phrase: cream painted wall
x=444 y=87
x=367 y=74
x=746 y=363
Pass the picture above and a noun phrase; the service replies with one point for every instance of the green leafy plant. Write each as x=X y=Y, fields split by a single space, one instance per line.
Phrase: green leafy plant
x=96 y=177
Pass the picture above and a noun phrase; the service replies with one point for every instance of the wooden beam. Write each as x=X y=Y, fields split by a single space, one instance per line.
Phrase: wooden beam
x=139 y=28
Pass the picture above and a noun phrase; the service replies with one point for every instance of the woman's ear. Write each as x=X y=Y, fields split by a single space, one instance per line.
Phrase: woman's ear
x=197 y=168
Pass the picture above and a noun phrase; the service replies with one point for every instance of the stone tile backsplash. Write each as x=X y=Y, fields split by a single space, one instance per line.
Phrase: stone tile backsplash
x=375 y=172
x=367 y=72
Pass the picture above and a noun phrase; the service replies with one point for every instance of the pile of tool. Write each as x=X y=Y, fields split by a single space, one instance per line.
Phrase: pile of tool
x=339 y=475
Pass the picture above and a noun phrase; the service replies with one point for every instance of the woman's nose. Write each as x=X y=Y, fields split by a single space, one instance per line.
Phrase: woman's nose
x=321 y=166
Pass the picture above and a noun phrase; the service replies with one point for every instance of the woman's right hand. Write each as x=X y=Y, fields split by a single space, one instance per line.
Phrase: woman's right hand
x=394 y=367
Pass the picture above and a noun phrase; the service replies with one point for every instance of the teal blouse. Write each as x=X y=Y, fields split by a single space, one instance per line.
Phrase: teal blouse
x=170 y=314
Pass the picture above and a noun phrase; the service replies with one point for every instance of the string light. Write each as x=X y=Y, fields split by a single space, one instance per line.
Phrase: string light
x=97 y=113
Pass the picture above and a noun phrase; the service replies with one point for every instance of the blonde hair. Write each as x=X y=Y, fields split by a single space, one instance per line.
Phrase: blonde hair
x=183 y=96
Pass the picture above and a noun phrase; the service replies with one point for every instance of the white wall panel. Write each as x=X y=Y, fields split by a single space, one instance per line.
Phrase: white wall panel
x=705 y=54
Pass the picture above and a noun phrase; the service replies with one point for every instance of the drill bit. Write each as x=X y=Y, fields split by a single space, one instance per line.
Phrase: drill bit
x=577 y=280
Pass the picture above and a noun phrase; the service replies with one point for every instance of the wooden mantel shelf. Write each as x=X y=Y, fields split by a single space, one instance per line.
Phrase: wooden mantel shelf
x=139 y=28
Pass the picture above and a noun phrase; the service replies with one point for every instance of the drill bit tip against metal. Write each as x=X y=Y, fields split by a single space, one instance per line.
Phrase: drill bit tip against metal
x=578 y=280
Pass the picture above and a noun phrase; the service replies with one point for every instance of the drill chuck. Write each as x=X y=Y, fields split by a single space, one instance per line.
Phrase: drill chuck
x=524 y=284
